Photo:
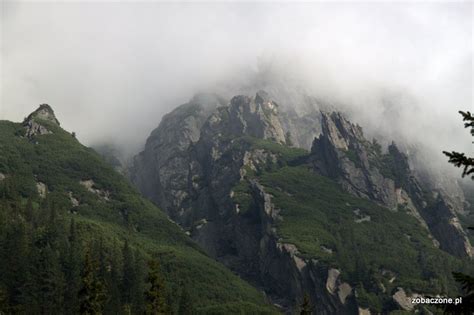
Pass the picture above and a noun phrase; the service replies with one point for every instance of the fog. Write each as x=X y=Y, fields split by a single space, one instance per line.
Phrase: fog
x=111 y=70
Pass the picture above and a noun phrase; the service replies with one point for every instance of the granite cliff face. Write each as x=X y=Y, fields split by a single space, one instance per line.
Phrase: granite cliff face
x=194 y=164
x=342 y=153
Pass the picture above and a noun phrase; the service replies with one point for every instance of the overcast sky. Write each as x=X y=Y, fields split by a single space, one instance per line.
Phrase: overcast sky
x=112 y=69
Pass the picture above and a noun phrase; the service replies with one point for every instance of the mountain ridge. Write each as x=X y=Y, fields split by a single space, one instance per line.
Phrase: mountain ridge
x=231 y=202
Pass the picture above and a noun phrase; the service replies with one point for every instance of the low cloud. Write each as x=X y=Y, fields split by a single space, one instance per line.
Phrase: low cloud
x=111 y=70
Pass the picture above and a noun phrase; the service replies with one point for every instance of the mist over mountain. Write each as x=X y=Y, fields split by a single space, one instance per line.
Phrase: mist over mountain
x=112 y=70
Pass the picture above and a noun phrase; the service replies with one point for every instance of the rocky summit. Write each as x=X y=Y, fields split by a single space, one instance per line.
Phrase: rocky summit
x=35 y=122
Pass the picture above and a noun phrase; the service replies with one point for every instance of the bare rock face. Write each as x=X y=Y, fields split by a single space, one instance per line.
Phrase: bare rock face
x=444 y=225
x=333 y=275
x=162 y=170
x=256 y=117
x=42 y=189
x=89 y=184
x=74 y=201
x=345 y=290
x=342 y=152
x=403 y=300
x=363 y=311
x=44 y=112
x=35 y=129
x=33 y=123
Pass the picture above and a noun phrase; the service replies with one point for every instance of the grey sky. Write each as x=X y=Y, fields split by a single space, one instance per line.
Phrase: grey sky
x=112 y=69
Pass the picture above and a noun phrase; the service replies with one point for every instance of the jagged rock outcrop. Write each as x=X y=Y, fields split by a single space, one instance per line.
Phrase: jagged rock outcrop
x=33 y=124
x=161 y=171
x=342 y=153
x=256 y=117
x=44 y=112
x=42 y=189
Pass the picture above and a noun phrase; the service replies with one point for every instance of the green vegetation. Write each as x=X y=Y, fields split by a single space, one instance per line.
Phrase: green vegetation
x=155 y=299
x=316 y=212
x=60 y=252
x=466 y=163
x=373 y=247
x=286 y=154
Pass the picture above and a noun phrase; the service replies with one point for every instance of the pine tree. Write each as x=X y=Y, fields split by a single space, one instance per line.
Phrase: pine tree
x=72 y=270
x=128 y=275
x=15 y=266
x=29 y=211
x=92 y=294
x=460 y=159
x=467 y=305
x=467 y=163
x=46 y=283
x=155 y=296
x=113 y=281
x=185 y=302
x=139 y=287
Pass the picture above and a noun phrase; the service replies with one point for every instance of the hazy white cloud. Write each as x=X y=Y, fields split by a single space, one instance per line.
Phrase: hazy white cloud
x=112 y=69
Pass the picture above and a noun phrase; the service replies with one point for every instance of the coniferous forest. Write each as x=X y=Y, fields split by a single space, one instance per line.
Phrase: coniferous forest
x=49 y=268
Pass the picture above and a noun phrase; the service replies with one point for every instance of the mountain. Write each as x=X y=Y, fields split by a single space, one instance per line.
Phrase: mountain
x=70 y=223
x=342 y=153
x=346 y=222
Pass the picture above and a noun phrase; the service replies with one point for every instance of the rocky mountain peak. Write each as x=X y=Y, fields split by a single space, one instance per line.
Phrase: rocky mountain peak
x=262 y=97
x=340 y=131
x=44 y=112
x=33 y=125
x=257 y=117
